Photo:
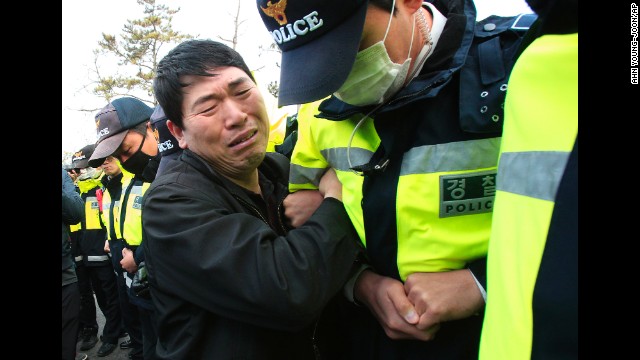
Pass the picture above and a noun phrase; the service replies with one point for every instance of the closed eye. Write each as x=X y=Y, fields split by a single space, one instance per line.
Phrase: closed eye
x=207 y=110
x=245 y=91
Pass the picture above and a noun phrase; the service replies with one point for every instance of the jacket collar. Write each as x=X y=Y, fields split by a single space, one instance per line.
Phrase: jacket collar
x=275 y=167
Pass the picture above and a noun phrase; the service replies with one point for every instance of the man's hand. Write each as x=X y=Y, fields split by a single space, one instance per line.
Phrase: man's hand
x=300 y=205
x=443 y=296
x=127 y=262
x=106 y=246
x=386 y=299
x=73 y=175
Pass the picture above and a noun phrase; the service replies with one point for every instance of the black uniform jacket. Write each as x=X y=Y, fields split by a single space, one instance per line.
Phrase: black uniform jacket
x=226 y=284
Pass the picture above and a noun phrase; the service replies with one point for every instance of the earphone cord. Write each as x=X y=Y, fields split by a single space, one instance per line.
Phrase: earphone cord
x=426 y=34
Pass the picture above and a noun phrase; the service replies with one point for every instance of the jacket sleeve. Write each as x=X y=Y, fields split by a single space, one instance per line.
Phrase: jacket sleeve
x=138 y=255
x=72 y=204
x=307 y=162
x=478 y=268
x=234 y=265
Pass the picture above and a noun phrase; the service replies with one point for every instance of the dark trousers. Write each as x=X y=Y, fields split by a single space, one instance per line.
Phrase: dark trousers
x=104 y=284
x=365 y=339
x=129 y=311
x=101 y=281
x=87 y=303
x=70 y=322
x=131 y=317
x=149 y=333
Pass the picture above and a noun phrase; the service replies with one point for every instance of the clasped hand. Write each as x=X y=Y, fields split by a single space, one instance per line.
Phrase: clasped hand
x=415 y=309
x=127 y=262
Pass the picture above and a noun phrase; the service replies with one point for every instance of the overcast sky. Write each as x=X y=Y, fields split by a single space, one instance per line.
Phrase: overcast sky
x=84 y=21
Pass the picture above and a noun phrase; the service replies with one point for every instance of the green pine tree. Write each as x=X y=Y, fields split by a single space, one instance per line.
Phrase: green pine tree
x=137 y=51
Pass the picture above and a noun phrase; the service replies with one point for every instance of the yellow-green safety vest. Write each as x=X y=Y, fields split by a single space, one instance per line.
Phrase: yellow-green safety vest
x=131 y=229
x=540 y=129
x=436 y=230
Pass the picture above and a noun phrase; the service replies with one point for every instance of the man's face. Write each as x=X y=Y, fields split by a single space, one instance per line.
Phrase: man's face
x=225 y=121
x=111 y=166
x=131 y=143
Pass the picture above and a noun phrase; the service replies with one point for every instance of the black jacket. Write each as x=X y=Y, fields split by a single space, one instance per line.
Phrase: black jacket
x=225 y=283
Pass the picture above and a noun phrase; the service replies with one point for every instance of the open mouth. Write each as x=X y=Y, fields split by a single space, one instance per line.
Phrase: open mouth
x=249 y=136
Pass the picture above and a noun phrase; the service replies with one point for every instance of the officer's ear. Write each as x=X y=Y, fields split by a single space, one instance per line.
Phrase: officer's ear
x=177 y=133
x=410 y=5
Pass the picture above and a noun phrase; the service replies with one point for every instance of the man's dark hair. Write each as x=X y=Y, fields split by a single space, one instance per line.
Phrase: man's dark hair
x=192 y=57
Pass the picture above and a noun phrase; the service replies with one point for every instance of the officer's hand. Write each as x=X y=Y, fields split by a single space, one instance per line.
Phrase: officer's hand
x=106 y=246
x=127 y=262
x=386 y=299
x=300 y=205
x=443 y=296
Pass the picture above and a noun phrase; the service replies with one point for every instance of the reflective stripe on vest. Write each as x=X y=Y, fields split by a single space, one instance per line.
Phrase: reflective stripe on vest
x=457 y=156
x=97 y=258
x=520 y=173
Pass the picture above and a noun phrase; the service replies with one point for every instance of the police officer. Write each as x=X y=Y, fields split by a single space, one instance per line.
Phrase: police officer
x=533 y=257
x=125 y=134
x=167 y=143
x=94 y=269
x=412 y=126
x=112 y=186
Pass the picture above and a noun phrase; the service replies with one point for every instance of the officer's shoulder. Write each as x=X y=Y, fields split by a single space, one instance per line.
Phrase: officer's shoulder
x=495 y=24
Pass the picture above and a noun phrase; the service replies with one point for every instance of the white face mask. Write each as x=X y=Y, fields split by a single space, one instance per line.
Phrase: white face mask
x=90 y=173
x=374 y=78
